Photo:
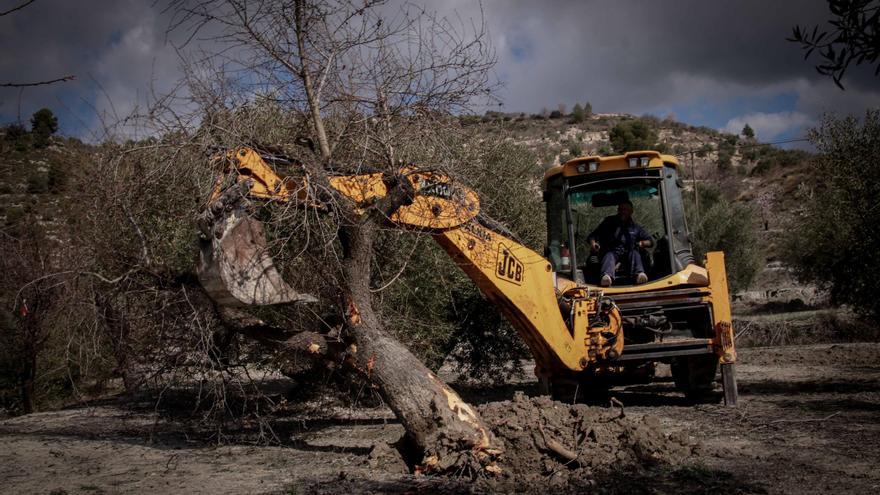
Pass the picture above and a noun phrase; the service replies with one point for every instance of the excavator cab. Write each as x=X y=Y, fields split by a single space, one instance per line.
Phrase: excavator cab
x=583 y=192
x=681 y=315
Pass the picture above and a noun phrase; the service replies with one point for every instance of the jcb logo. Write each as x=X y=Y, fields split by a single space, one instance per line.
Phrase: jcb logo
x=508 y=267
x=432 y=187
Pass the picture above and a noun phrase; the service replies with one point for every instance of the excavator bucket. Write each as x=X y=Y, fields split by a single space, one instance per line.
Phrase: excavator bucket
x=234 y=266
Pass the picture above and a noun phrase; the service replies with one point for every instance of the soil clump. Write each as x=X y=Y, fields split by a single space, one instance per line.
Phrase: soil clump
x=565 y=445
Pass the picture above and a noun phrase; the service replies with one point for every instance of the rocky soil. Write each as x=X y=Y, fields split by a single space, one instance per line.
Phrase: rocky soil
x=808 y=422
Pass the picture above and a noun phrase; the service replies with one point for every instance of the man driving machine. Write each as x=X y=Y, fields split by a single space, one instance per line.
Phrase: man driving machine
x=618 y=239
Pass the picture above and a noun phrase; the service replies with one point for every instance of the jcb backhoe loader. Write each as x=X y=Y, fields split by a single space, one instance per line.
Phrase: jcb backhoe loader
x=580 y=333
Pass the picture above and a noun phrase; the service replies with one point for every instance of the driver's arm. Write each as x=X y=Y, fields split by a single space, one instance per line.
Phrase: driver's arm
x=644 y=239
x=600 y=232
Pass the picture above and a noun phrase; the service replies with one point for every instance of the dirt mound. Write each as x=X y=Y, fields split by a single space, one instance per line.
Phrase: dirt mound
x=549 y=441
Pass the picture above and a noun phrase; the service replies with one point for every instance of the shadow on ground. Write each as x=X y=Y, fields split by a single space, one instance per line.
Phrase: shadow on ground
x=690 y=480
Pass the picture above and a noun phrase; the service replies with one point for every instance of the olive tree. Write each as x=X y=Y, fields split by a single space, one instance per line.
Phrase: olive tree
x=371 y=92
x=831 y=237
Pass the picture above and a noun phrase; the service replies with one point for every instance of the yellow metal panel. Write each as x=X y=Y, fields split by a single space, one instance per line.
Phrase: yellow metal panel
x=439 y=202
x=266 y=183
x=690 y=276
x=720 y=299
x=611 y=163
x=361 y=189
x=520 y=282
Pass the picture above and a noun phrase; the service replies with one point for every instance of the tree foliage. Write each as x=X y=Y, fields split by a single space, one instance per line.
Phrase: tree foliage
x=770 y=158
x=577 y=114
x=43 y=125
x=855 y=38
x=832 y=241
x=748 y=132
x=725 y=155
x=722 y=225
x=633 y=135
x=434 y=307
x=704 y=150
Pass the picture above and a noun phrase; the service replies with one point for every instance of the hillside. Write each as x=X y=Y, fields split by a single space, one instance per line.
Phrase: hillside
x=33 y=180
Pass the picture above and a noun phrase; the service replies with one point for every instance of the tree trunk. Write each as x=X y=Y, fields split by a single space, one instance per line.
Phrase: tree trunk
x=27 y=377
x=119 y=333
x=437 y=421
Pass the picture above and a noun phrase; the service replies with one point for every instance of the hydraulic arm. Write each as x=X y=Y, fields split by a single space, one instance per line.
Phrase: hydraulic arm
x=566 y=330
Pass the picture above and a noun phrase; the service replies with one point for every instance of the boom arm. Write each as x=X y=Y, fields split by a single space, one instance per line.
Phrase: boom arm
x=565 y=332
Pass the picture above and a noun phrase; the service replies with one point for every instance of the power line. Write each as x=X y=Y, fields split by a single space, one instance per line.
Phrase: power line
x=798 y=140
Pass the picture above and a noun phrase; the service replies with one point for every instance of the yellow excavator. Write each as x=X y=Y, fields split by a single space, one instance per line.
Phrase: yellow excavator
x=580 y=331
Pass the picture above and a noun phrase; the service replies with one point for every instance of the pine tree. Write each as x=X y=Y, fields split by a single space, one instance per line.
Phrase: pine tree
x=577 y=113
x=43 y=125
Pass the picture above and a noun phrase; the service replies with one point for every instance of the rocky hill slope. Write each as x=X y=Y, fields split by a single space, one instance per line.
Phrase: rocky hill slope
x=33 y=180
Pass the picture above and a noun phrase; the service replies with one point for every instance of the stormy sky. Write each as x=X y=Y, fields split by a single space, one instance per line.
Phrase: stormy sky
x=718 y=64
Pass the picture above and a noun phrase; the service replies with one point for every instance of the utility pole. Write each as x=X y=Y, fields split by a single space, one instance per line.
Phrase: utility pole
x=696 y=195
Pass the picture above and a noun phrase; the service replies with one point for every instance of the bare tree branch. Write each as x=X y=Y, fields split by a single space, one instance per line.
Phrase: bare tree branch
x=39 y=83
x=17 y=8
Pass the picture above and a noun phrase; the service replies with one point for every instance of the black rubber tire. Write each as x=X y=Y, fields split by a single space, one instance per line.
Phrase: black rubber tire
x=695 y=376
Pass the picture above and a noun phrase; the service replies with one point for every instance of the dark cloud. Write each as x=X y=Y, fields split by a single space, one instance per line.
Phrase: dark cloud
x=116 y=49
x=722 y=60
x=720 y=63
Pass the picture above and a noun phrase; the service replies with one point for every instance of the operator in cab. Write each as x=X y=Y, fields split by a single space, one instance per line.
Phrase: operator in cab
x=618 y=239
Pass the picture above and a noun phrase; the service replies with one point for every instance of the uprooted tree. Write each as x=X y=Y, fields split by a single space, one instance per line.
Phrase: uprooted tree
x=375 y=92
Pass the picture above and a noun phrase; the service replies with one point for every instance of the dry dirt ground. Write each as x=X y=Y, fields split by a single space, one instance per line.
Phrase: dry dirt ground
x=808 y=422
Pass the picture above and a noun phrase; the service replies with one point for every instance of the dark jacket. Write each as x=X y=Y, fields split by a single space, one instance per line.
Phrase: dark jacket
x=617 y=236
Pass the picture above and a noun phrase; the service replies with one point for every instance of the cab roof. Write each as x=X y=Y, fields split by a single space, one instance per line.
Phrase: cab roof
x=610 y=164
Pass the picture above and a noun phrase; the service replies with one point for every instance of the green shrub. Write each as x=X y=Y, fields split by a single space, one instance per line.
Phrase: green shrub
x=14 y=215
x=726 y=151
x=763 y=166
x=56 y=178
x=749 y=154
x=43 y=125
x=722 y=225
x=15 y=132
x=633 y=135
x=832 y=241
x=37 y=183
x=770 y=158
x=577 y=114
x=704 y=150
